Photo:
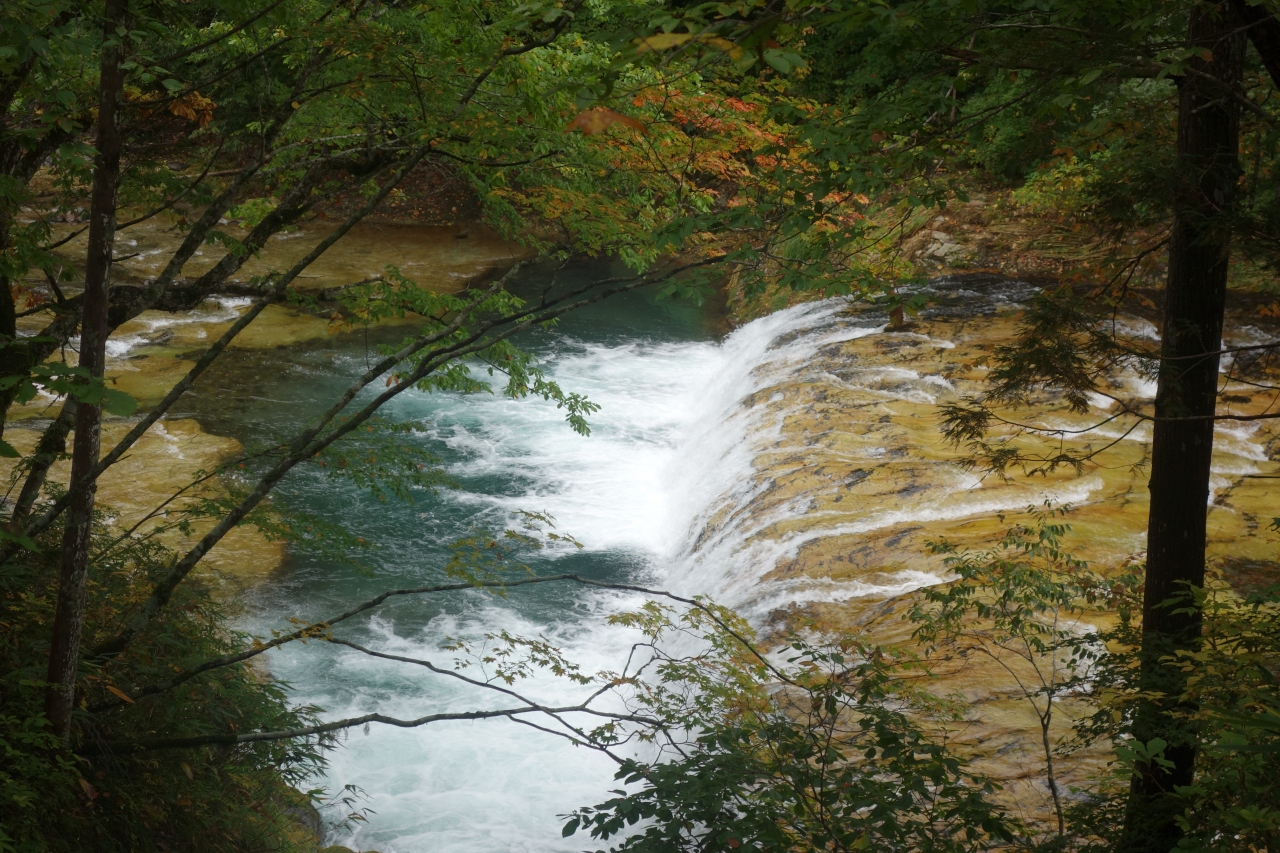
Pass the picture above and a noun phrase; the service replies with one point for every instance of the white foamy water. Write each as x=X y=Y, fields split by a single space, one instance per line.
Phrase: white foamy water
x=150 y=326
x=466 y=786
x=672 y=448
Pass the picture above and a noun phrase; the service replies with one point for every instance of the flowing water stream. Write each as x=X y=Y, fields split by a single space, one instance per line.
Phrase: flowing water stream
x=670 y=447
x=792 y=463
x=625 y=492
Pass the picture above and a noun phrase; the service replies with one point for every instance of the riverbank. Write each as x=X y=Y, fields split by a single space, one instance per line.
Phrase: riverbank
x=819 y=480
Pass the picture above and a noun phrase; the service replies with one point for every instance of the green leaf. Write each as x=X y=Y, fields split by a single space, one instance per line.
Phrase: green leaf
x=8 y=451
x=118 y=402
x=784 y=60
x=24 y=541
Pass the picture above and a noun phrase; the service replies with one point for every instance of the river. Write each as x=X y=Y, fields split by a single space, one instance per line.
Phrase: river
x=790 y=467
x=670 y=448
x=631 y=493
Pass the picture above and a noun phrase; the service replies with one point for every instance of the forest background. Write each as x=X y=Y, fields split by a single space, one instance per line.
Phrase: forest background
x=780 y=150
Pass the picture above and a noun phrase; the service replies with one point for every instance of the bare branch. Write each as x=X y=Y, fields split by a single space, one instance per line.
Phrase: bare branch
x=320 y=629
x=233 y=738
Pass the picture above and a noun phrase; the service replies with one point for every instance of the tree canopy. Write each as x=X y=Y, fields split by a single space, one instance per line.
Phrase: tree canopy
x=785 y=148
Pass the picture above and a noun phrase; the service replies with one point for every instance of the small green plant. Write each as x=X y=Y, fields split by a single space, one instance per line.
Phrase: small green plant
x=835 y=749
x=1231 y=698
x=1020 y=605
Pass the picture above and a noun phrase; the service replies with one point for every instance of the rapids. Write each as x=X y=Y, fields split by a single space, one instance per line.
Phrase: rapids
x=671 y=448
x=792 y=467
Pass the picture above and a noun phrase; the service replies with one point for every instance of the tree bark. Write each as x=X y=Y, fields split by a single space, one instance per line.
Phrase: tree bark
x=19 y=161
x=1264 y=31
x=68 y=624
x=53 y=443
x=1207 y=172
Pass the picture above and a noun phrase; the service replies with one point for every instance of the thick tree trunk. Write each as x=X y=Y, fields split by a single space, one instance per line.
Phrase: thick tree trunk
x=1207 y=173
x=68 y=623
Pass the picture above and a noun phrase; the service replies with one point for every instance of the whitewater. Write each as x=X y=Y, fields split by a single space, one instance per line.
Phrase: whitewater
x=657 y=495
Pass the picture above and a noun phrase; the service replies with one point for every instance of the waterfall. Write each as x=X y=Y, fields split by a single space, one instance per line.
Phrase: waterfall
x=730 y=541
x=669 y=490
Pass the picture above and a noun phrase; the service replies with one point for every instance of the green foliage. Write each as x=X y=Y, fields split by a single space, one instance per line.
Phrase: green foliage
x=59 y=379
x=1070 y=354
x=1027 y=591
x=487 y=556
x=376 y=457
x=1023 y=605
x=839 y=748
x=446 y=315
x=1064 y=633
x=251 y=213
x=832 y=750
x=94 y=797
x=1233 y=685
x=1114 y=170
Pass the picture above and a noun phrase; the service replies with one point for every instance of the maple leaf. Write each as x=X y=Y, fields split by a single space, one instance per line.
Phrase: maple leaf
x=597 y=119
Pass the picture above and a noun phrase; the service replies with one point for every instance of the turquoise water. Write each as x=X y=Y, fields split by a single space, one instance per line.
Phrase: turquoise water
x=662 y=493
x=482 y=786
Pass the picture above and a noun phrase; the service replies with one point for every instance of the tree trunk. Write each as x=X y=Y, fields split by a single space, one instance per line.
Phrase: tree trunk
x=19 y=161
x=1264 y=31
x=1207 y=172
x=53 y=443
x=68 y=623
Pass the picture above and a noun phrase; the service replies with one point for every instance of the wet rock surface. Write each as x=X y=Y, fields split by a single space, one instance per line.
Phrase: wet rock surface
x=156 y=480
x=148 y=355
x=851 y=471
x=851 y=479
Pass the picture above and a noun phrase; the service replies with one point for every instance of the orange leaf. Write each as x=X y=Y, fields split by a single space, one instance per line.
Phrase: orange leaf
x=120 y=694
x=597 y=119
x=194 y=107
